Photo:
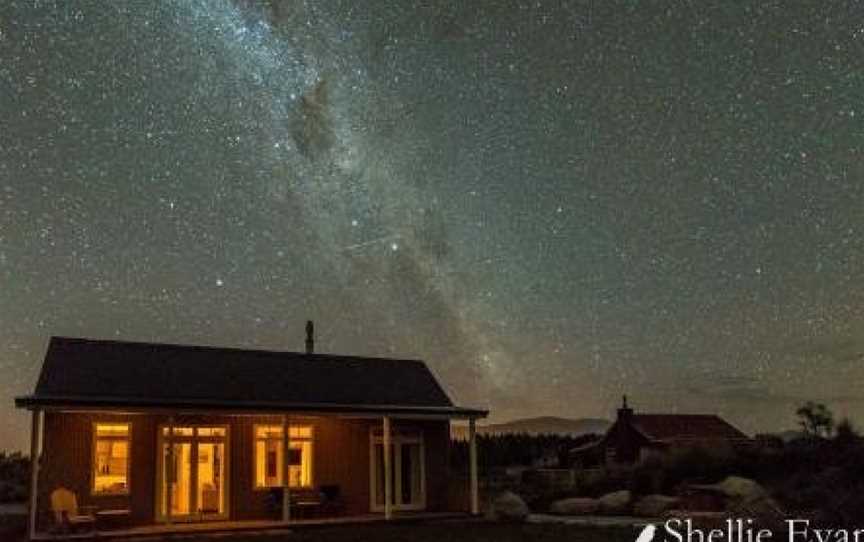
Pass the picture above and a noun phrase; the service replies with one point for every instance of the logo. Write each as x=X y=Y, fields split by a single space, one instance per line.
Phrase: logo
x=745 y=530
x=647 y=534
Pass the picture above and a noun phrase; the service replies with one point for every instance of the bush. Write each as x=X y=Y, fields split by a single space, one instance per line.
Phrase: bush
x=14 y=477
x=685 y=465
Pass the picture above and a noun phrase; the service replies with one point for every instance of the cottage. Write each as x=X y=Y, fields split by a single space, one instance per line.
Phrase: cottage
x=159 y=434
x=633 y=438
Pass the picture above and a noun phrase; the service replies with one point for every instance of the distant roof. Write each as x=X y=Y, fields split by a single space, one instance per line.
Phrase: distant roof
x=100 y=373
x=678 y=427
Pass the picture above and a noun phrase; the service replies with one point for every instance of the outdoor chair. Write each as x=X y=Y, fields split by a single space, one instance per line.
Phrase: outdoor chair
x=68 y=516
x=332 y=503
x=306 y=503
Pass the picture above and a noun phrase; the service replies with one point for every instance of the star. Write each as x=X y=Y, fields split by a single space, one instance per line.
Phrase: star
x=621 y=201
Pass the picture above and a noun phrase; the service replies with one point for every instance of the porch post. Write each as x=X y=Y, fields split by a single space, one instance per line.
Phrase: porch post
x=472 y=451
x=35 y=440
x=286 y=468
x=388 y=474
x=168 y=474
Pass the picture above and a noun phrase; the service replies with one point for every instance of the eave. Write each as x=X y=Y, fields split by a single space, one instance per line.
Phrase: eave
x=139 y=404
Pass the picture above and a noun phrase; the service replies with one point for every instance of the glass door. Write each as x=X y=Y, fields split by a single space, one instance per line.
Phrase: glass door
x=410 y=492
x=378 y=474
x=178 y=474
x=211 y=474
x=192 y=473
x=408 y=484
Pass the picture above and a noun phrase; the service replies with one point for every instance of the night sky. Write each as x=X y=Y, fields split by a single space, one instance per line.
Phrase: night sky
x=553 y=203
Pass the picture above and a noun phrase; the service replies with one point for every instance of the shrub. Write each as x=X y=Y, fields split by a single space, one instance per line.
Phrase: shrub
x=14 y=477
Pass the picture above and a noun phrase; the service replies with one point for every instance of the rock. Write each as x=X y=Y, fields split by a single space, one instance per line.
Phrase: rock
x=616 y=503
x=745 y=498
x=653 y=506
x=736 y=487
x=577 y=506
x=701 y=520
x=510 y=507
x=762 y=509
x=733 y=487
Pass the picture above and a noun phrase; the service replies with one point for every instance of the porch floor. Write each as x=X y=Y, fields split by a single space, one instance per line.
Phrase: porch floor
x=245 y=526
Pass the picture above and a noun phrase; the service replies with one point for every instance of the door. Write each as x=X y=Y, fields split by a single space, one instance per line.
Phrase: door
x=408 y=483
x=192 y=473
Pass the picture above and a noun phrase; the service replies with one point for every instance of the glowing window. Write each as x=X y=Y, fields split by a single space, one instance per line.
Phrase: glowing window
x=211 y=431
x=180 y=431
x=270 y=459
x=111 y=458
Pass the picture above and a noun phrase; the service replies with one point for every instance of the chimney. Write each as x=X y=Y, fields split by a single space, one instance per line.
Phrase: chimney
x=310 y=337
x=625 y=412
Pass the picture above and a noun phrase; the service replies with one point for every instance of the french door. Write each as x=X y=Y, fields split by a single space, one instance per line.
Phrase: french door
x=192 y=473
x=408 y=472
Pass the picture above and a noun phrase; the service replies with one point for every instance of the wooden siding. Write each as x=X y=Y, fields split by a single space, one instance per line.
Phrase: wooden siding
x=340 y=457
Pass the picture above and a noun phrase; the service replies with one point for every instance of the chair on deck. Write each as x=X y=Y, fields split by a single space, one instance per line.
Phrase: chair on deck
x=67 y=514
x=306 y=503
x=332 y=503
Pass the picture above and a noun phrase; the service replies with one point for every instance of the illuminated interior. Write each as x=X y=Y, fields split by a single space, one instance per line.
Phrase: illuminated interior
x=111 y=458
x=211 y=489
x=194 y=471
x=270 y=461
x=180 y=477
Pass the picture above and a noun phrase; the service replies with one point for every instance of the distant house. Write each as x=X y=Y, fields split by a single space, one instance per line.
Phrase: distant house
x=633 y=438
x=163 y=435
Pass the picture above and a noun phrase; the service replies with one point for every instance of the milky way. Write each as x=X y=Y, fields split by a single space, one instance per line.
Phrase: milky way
x=553 y=203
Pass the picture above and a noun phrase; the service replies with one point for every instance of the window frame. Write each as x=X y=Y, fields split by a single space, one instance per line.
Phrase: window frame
x=285 y=467
x=95 y=438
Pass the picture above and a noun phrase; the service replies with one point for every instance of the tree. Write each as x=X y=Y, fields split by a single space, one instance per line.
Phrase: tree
x=815 y=419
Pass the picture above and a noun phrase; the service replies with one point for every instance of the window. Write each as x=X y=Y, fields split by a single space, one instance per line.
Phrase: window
x=270 y=461
x=111 y=458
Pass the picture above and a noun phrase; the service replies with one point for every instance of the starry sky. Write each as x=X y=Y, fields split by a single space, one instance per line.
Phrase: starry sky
x=553 y=203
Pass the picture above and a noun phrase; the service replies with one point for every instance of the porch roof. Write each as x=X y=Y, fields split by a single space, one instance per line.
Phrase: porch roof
x=102 y=374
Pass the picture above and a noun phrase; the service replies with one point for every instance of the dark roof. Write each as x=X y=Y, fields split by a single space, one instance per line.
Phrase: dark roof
x=678 y=427
x=87 y=372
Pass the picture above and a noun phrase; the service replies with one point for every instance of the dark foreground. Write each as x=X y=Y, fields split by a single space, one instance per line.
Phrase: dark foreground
x=455 y=531
x=452 y=531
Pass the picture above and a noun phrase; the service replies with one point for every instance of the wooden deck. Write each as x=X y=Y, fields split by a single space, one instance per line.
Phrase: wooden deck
x=223 y=528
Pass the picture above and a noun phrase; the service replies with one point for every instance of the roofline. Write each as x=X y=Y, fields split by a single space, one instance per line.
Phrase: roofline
x=230 y=349
x=145 y=404
x=677 y=415
x=674 y=440
x=661 y=440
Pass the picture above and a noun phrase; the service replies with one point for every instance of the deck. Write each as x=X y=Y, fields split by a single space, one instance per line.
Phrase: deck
x=159 y=531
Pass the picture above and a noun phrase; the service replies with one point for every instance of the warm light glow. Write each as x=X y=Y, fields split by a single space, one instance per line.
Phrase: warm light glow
x=180 y=431
x=211 y=431
x=111 y=458
x=194 y=472
x=300 y=432
x=270 y=459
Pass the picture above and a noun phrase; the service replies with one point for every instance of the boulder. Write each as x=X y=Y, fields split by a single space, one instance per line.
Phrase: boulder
x=653 y=506
x=733 y=487
x=509 y=506
x=762 y=509
x=616 y=503
x=701 y=520
x=745 y=498
x=577 y=506
x=736 y=487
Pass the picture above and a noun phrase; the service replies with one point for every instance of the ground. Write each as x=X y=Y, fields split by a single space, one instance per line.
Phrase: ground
x=455 y=531
x=443 y=532
x=450 y=531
